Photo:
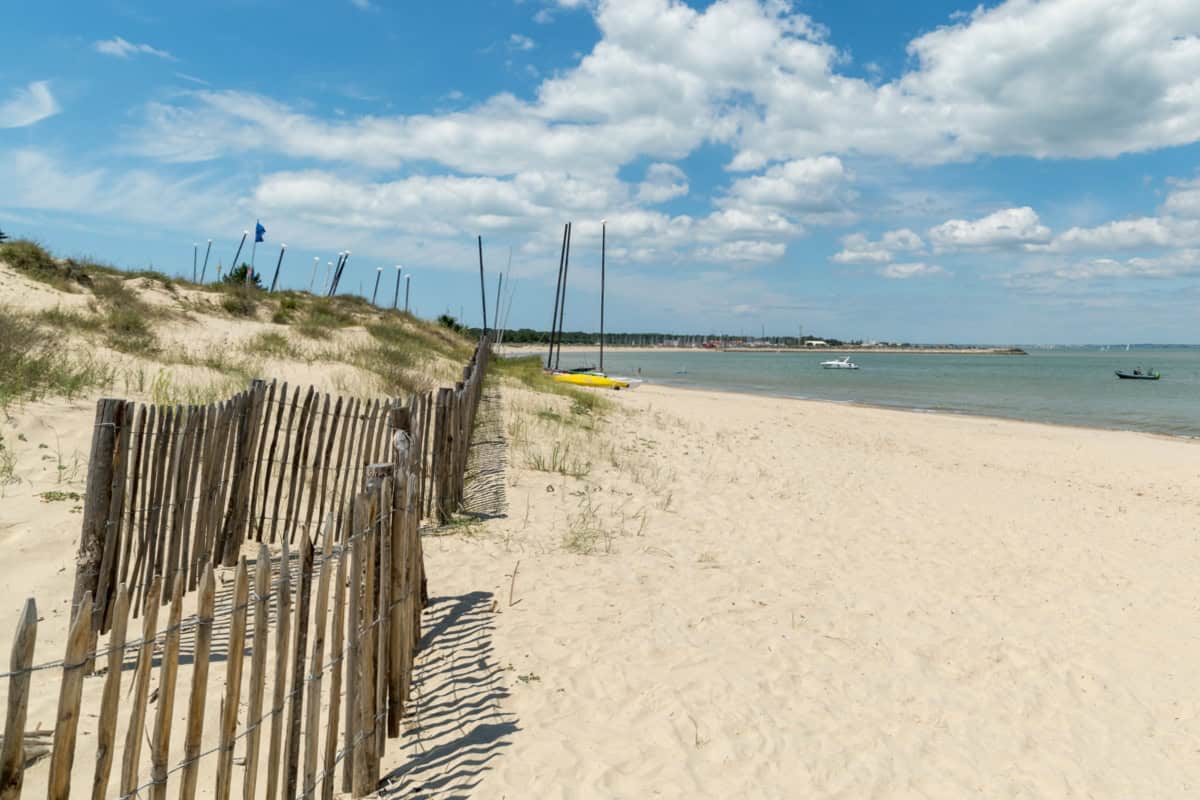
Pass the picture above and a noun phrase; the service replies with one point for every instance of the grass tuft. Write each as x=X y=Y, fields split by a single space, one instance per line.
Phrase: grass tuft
x=32 y=366
x=33 y=261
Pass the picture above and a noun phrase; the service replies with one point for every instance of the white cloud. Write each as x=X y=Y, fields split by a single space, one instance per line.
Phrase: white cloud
x=1048 y=277
x=364 y=5
x=913 y=270
x=26 y=106
x=121 y=48
x=1005 y=228
x=662 y=182
x=1129 y=234
x=754 y=252
x=519 y=42
x=1184 y=201
x=857 y=249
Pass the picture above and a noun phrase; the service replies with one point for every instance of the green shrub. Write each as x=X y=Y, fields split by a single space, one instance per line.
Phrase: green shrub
x=240 y=300
x=237 y=276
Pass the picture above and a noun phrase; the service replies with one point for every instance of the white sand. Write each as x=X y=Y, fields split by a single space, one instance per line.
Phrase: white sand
x=827 y=601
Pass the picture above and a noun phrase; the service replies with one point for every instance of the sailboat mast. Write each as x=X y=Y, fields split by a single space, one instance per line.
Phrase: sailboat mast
x=562 y=306
x=603 y=240
x=562 y=253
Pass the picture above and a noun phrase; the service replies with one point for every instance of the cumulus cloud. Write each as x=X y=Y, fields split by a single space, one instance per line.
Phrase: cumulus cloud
x=912 y=270
x=1005 y=228
x=858 y=249
x=120 y=48
x=519 y=42
x=26 y=106
x=662 y=182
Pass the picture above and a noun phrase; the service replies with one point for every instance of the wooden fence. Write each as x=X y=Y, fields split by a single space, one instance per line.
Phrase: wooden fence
x=338 y=486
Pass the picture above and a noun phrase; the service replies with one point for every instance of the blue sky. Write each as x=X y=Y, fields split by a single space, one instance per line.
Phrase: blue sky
x=1013 y=172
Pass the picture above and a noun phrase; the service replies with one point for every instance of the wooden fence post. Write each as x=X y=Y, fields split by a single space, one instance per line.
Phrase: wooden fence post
x=195 y=728
x=335 y=684
x=381 y=484
x=67 y=721
x=292 y=752
x=96 y=501
x=131 y=755
x=233 y=681
x=160 y=745
x=12 y=755
x=283 y=625
x=312 y=725
x=258 y=666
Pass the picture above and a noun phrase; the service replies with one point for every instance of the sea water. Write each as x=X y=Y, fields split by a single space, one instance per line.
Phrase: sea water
x=1070 y=386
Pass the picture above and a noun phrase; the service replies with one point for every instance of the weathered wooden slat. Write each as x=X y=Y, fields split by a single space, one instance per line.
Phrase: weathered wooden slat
x=354 y=541
x=342 y=483
x=162 y=536
x=182 y=458
x=315 y=471
x=283 y=625
x=146 y=480
x=107 y=583
x=110 y=699
x=233 y=530
x=288 y=435
x=66 y=725
x=335 y=682
x=131 y=755
x=384 y=628
x=187 y=559
x=269 y=460
x=134 y=484
x=258 y=665
x=12 y=752
x=233 y=681
x=364 y=750
x=258 y=492
x=291 y=763
x=96 y=502
x=335 y=427
x=168 y=673
x=162 y=438
x=300 y=463
x=312 y=732
x=207 y=487
x=203 y=649
x=224 y=497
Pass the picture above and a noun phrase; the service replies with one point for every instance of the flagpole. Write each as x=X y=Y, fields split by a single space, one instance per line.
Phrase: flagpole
x=407 y=286
x=396 y=294
x=313 y=279
x=241 y=244
x=328 y=277
x=195 y=254
x=253 y=249
x=204 y=268
x=375 y=291
x=282 y=248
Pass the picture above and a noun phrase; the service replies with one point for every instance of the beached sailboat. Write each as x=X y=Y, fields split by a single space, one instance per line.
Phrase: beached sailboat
x=585 y=376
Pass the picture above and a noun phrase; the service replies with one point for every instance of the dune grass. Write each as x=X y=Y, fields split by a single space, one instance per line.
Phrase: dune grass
x=34 y=365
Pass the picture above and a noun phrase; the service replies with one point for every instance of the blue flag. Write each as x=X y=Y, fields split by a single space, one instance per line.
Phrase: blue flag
x=259 y=231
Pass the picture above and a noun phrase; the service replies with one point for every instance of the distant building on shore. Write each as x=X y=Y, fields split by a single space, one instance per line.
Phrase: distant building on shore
x=816 y=343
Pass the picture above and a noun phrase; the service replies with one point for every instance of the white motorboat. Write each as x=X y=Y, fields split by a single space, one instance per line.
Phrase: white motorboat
x=839 y=363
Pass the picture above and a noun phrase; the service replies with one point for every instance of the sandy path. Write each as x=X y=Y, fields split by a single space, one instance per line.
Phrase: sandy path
x=823 y=601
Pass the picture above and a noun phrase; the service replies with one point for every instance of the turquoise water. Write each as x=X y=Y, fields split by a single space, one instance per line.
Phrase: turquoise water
x=1065 y=386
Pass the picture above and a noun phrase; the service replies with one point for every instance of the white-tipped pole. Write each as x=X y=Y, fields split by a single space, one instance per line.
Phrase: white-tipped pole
x=275 y=279
x=375 y=291
x=195 y=259
x=313 y=279
x=204 y=268
x=396 y=294
x=407 y=286
x=328 y=276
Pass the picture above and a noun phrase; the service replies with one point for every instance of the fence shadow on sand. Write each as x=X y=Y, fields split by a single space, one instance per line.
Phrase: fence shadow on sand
x=458 y=726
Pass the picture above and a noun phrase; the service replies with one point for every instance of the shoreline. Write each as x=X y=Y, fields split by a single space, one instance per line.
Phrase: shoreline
x=528 y=349
x=733 y=394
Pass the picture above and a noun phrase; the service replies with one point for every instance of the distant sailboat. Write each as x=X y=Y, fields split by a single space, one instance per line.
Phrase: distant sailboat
x=1126 y=348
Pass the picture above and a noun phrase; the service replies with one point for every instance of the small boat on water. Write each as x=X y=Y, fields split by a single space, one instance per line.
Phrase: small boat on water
x=1138 y=375
x=839 y=363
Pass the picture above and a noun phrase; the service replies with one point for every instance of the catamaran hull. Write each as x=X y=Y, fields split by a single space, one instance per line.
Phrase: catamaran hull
x=595 y=381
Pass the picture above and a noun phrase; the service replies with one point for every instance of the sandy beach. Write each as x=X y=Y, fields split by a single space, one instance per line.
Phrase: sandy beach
x=792 y=599
x=695 y=594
